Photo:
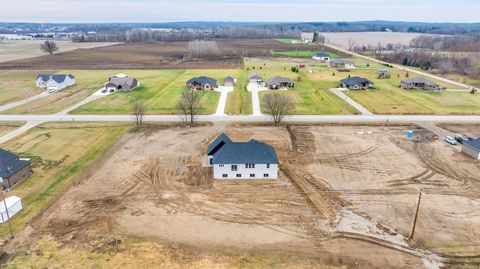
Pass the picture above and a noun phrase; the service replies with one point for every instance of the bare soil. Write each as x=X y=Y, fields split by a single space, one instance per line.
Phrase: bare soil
x=159 y=55
x=345 y=193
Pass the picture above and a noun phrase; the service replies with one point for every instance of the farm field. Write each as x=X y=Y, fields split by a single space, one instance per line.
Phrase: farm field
x=87 y=82
x=369 y=38
x=309 y=97
x=58 y=157
x=160 y=90
x=364 y=191
x=11 y=50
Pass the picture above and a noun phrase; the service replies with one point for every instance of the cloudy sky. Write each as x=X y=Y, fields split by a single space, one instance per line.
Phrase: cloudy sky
x=238 y=10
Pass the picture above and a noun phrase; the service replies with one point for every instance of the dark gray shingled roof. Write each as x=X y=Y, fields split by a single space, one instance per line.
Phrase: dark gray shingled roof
x=341 y=61
x=123 y=81
x=474 y=143
x=202 y=80
x=229 y=79
x=245 y=152
x=57 y=77
x=355 y=81
x=254 y=76
x=418 y=81
x=221 y=140
x=278 y=79
x=10 y=163
x=321 y=54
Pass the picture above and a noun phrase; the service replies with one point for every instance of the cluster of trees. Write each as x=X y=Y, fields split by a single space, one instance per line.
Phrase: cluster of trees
x=119 y=36
x=469 y=43
x=200 y=49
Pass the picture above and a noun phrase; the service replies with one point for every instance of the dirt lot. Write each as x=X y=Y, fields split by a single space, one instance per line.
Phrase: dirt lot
x=345 y=193
x=161 y=55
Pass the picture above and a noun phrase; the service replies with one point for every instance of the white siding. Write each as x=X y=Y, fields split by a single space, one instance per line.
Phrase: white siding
x=14 y=204
x=259 y=171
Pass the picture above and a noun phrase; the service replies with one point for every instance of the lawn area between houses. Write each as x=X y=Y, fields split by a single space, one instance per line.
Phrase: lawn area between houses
x=58 y=156
x=160 y=90
x=311 y=98
x=14 y=83
x=239 y=102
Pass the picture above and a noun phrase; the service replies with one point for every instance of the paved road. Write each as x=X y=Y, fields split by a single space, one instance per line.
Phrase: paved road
x=340 y=93
x=23 y=101
x=462 y=85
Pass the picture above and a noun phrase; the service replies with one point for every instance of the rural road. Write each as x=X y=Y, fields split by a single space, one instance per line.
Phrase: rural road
x=340 y=93
x=23 y=101
x=411 y=70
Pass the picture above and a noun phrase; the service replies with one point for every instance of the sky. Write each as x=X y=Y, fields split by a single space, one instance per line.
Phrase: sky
x=238 y=10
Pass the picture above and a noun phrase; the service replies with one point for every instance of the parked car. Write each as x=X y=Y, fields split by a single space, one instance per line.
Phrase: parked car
x=450 y=140
x=461 y=139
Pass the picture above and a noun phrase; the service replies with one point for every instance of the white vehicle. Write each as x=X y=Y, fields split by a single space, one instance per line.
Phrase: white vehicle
x=450 y=140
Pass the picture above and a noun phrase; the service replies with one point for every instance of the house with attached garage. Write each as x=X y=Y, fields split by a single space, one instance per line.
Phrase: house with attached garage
x=242 y=160
x=202 y=83
x=229 y=82
x=277 y=82
x=321 y=56
x=356 y=83
x=336 y=63
x=255 y=78
x=55 y=82
x=122 y=83
x=420 y=83
x=13 y=169
x=472 y=148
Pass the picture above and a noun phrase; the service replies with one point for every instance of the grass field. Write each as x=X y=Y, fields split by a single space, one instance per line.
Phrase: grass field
x=7 y=126
x=14 y=83
x=310 y=97
x=161 y=90
x=87 y=82
x=58 y=156
x=302 y=53
x=240 y=100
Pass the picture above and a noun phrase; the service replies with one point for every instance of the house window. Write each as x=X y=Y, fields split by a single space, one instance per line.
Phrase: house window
x=265 y=175
x=234 y=167
x=224 y=175
x=221 y=165
x=268 y=165
x=252 y=175
x=250 y=165
x=239 y=175
x=211 y=160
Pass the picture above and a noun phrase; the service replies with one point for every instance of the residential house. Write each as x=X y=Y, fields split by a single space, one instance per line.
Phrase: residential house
x=202 y=83
x=341 y=63
x=383 y=73
x=13 y=169
x=229 y=81
x=279 y=83
x=307 y=37
x=356 y=83
x=419 y=83
x=321 y=56
x=472 y=148
x=242 y=160
x=255 y=78
x=121 y=82
x=55 y=82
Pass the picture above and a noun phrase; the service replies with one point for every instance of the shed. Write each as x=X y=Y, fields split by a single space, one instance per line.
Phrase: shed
x=342 y=63
x=229 y=81
x=255 y=78
x=472 y=148
x=14 y=205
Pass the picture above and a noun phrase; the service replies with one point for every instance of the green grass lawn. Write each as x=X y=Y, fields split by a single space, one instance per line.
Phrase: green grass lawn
x=58 y=156
x=309 y=96
x=239 y=102
x=302 y=53
x=160 y=90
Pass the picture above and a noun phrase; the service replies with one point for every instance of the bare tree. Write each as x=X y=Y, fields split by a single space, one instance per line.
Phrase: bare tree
x=189 y=105
x=49 y=46
x=351 y=43
x=202 y=49
x=277 y=105
x=139 y=108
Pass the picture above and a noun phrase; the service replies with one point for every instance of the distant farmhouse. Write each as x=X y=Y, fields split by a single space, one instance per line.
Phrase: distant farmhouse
x=472 y=148
x=255 y=78
x=121 y=82
x=307 y=37
x=277 y=82
x=383 y=73
x=336 y=63
x=13 y=169
x=356 y=83
x=420 y=83
x=321 y=56
x=229 y=82
x=55 y=82
x=202 y=83
x=242 y=160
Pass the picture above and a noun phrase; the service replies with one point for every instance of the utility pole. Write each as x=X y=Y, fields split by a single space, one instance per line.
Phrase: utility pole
x=8 y=215
x=414 y=224
x=28 y=100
